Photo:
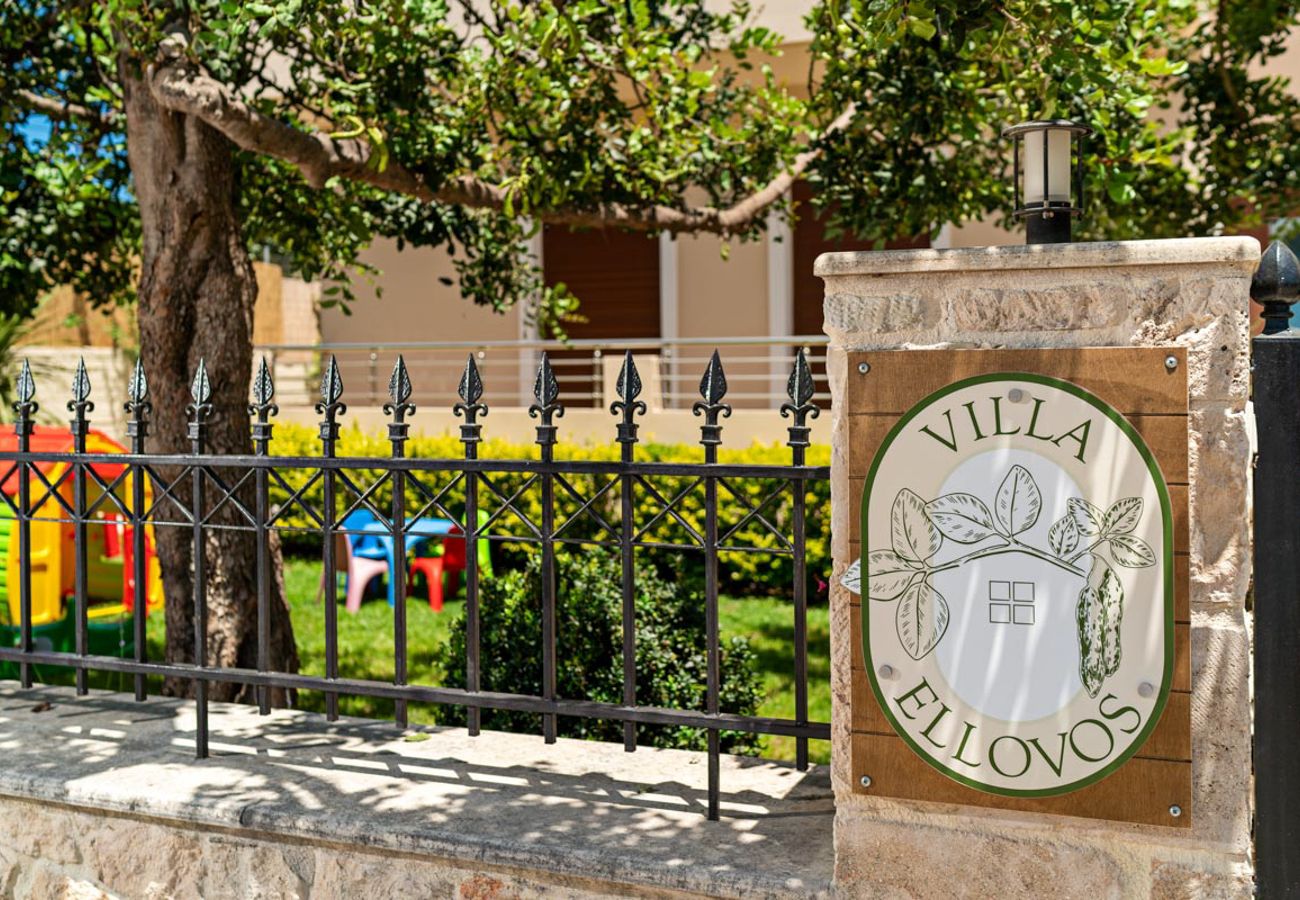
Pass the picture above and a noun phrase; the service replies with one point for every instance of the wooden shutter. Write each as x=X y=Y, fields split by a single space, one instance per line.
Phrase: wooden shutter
x=615 y=275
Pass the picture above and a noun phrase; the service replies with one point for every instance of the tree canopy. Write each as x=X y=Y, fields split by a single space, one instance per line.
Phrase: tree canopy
x=464 y=124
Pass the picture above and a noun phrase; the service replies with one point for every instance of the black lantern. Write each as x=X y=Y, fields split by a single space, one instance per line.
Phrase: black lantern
x=1048 y=173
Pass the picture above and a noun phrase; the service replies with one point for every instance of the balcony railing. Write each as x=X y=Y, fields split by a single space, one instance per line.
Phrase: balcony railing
x=757 y=369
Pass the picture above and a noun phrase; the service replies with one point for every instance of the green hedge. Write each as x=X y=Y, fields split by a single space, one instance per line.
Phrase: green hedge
x=741 y=572
x=671 y=659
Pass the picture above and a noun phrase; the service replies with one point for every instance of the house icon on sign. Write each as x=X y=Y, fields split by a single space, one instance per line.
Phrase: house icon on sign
x=1011 y=602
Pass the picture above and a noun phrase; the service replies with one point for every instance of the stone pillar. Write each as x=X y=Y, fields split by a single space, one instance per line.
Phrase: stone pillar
x=1191 y=293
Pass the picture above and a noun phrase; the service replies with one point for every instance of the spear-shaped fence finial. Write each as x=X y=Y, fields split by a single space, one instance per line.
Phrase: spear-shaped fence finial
x=263 y=406
x=331 y=404
x=399 y=405
x=80 y=404
x=26 y=405
x=470 y=406
x=801 y=407
x=713 y=387
x=200 y=406
x=546 y=394
x=137 y=406
x=629 y=388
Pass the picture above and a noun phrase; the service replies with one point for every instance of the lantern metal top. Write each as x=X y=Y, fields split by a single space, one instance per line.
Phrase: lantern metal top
x=1047 y=125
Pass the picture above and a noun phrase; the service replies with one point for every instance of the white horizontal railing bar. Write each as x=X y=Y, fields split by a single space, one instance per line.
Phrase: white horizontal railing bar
x=575 y=344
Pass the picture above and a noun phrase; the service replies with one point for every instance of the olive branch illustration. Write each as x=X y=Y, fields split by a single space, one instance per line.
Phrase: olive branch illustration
x=918 y=529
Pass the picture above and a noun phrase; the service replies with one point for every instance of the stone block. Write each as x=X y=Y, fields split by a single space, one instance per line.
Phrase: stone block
x=920 y=860
x=1082 y=305
x=1219 y=465
x=1221 y=754
x=878 y=314
x=1176 y=881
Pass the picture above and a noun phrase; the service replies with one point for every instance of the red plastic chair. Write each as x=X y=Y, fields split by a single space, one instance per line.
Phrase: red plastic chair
x=434 y=568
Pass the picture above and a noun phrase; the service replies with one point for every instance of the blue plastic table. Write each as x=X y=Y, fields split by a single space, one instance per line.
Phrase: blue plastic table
x=418 y=531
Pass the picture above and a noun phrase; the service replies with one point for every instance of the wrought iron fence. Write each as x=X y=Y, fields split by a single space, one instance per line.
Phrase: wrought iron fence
x=625 y=505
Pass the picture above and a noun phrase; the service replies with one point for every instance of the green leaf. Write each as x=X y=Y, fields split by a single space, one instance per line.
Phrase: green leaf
x=922 y=28
x=921 y=619
x=913 y=535
x=1018 y=502
x=1086 y=516
x=888 y=575
x=961 y=517
x=1063 y=536
x=1123 y=516
x=1132 y=552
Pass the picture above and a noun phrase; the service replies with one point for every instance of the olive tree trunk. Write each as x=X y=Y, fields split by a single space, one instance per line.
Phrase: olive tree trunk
x=196 y=296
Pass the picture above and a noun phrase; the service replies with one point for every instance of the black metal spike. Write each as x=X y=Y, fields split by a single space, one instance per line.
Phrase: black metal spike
x=80 y=404
x=26 y=385
x=629 y=379
x=263 y=406
x=26 y=406
x=331 y=383
x=629 y=388
x=201 y=388
x=263 y=389
x=471 y=392
x=399 y=407
x=137 y=406
x=801 y=407
x=399 y=385
x=546 y=389
x=713 y=387
x=1276 y=286
x=546 y=393
x=331 y=404
x=471 y=384
x=200 y=394
x=137 y=389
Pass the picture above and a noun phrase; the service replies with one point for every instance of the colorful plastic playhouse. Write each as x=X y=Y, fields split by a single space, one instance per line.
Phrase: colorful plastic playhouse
x=110 y=576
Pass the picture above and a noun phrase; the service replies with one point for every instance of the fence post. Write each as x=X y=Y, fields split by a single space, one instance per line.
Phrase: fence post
x=1276 y=363
x=79 y=405
x=713 y=387
x=547 y=406
x=263 y=407
x=139 y=407
x=199 y=410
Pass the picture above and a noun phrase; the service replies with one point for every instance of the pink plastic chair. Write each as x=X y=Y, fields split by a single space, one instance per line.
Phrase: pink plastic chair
x=361 y=571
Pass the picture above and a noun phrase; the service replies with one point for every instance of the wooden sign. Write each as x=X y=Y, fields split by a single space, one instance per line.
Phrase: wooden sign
x=1021 y=627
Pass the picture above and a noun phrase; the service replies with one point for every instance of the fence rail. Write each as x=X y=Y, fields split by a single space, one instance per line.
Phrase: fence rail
x=625 y=506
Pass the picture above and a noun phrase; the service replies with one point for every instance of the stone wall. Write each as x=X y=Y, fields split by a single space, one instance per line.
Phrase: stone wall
x=1190 y=293
x=75 y=853
x=101 y=796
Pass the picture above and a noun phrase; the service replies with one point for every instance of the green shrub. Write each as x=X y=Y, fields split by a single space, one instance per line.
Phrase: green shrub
x=750 y=573
x=670 y=651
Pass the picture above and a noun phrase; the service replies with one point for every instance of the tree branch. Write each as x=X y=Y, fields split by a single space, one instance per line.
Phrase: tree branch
x=64 y=110
x=182 y=88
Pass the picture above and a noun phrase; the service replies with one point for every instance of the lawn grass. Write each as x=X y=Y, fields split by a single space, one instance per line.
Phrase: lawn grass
x=366 y=652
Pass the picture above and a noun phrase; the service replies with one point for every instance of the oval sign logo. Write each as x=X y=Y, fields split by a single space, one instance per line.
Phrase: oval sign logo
x=1017 y=584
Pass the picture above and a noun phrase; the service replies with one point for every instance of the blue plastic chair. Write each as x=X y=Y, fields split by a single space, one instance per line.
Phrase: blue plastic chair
x=375 y=542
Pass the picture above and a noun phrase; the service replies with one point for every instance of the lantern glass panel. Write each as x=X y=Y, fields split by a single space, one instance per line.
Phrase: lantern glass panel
x=1053 y=185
